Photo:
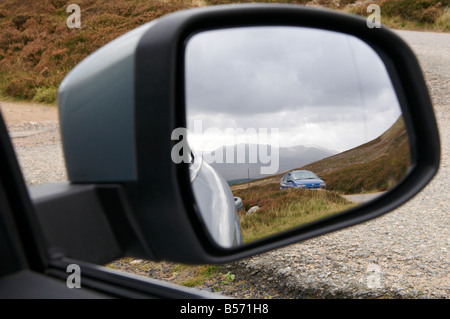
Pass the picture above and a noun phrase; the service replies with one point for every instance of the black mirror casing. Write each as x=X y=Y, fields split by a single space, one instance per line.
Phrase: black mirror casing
x=166 y=211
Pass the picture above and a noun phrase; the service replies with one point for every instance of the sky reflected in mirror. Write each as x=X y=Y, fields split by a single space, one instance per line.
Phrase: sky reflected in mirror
x=306 y=82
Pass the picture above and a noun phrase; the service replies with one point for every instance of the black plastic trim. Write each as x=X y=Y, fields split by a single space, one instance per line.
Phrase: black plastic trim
x=22 y=236
x=27 y=284
x=119 y=284
x=88 y=222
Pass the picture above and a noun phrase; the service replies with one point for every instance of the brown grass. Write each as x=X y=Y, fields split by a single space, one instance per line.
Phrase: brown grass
x=408 y=14
x=280 y=210
x=37 y=49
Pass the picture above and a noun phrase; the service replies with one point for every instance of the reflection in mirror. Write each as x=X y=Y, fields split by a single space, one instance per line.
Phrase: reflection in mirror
x=301 y=123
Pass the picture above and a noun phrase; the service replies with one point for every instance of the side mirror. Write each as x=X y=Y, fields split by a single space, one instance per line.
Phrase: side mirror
x=129 y=113
x=239 y=204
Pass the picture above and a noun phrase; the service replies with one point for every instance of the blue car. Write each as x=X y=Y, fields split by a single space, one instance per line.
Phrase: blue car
x=302 y=179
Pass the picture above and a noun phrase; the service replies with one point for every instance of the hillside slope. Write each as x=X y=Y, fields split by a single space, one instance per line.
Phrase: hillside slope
x=374 y=166
x=37 y=49
x=288 y=157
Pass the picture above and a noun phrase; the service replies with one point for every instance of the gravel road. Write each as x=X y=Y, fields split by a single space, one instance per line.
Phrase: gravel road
x=362 y=198
x=404 y=254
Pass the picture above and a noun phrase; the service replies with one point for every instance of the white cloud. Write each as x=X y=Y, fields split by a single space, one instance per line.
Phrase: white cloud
x=316 y=87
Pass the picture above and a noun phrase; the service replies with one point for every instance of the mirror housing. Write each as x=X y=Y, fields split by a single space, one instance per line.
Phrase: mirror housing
x=119 y=107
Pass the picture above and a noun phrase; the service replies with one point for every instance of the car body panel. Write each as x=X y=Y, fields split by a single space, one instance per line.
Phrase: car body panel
x=217 y=206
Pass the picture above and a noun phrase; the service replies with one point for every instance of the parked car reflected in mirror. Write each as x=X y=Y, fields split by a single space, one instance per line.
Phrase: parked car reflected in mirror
x=302 y=179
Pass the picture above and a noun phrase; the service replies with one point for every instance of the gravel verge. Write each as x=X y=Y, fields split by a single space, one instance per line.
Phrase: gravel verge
x=404 y=254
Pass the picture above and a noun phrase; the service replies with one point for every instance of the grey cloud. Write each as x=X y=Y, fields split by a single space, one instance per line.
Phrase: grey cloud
x=285 y=77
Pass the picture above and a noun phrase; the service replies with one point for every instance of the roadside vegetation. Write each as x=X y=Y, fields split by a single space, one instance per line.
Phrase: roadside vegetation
x=373 y=167
x=281 y=210
x=432 y=15
x=212 y=277
x=37 y=49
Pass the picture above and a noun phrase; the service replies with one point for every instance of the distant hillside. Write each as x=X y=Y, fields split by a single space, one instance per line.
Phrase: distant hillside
x=373 y=166
x=238 y=181
x=289 y=157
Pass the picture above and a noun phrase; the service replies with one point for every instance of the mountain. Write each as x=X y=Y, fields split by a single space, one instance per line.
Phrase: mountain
x=288 y=158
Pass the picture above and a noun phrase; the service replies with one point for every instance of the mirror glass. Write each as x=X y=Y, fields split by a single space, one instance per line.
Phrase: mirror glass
x=300 y=123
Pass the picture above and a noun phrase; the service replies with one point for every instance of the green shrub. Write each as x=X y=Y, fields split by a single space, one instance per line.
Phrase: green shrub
x=45 y=95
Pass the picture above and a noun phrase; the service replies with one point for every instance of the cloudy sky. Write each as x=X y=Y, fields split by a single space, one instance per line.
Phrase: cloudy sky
x=315 y=87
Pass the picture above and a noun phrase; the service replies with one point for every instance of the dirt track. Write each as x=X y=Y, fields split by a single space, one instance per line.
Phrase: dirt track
x=16 y=113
